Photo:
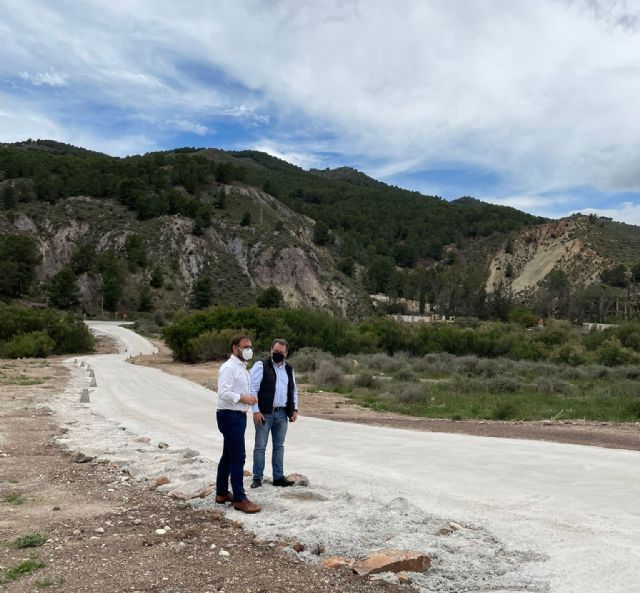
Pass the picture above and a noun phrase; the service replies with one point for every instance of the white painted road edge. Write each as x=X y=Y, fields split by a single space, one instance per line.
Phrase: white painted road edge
x=577 y=507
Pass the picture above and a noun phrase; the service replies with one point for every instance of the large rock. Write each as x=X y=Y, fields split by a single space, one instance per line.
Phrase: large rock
x=393 y=561
x=197 y=488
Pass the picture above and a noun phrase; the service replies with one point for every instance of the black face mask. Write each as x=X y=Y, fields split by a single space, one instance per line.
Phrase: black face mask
x=277 y=357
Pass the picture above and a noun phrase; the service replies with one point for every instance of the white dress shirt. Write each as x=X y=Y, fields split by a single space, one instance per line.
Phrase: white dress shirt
x=282 y=382
x=233 y=381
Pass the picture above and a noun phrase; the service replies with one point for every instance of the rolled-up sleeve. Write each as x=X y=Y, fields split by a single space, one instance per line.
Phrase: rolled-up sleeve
x=255 y=375
x=226 y=381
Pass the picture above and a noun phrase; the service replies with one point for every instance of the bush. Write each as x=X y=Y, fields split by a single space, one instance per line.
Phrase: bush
x=307 y=359
x=550 y=386
x=633 y=409
x=365 y=379
x=31 y=345
x=327 y=374
x=503 y=385
x=504 y=411
x=213 y=345
x=411 y=393
x=404 y=374
x=612 y=353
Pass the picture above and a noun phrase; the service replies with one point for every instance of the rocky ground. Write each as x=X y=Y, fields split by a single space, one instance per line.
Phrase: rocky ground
x=102 y=532
x=332 y=406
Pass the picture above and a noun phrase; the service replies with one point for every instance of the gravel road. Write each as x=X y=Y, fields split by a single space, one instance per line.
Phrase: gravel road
x=535 y=516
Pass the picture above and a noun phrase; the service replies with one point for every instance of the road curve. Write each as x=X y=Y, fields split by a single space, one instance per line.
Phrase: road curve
x=578 y=506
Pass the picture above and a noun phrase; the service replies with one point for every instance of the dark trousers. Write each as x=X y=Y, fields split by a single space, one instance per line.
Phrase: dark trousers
x=232 y=425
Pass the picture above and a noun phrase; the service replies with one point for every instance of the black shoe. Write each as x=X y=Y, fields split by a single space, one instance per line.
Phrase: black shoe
x=283 y=482
x=256 y=483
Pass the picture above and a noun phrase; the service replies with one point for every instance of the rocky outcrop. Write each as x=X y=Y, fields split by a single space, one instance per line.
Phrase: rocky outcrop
x=528 y=257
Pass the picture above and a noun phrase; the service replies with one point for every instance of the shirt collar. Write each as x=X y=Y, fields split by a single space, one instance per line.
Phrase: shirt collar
x=236 y=360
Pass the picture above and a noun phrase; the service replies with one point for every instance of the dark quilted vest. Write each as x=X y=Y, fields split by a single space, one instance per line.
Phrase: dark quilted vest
x=267 y=389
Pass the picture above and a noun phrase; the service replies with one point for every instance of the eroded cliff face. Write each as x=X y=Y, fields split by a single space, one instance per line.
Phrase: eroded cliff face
x=529 y=256
x=239 y=259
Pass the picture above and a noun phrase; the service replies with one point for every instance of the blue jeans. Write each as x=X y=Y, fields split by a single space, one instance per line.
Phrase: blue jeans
x=232 y=425
x=276 y=424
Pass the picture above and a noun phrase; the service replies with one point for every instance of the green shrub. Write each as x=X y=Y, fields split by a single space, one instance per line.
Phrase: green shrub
x=633 y=409
x=504 y=411
x=546 y=385
x=25 y=567
x=36 y=344
x=31 y=540
x=612 y=353
x=213 y=345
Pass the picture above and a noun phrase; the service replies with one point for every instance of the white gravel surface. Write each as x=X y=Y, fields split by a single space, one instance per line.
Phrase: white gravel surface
x=535 y=516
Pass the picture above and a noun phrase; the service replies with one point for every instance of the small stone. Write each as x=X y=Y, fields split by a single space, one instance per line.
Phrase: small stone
x=337 y=562
x=145 y=440
x=160 y=531
x=445 y=530
x=298 y=547
x=137 y=521
x=76 y=532
x=455 y=526
x=159 y=481
x=224 y=553
x=99 y=530
x=212 y=547
x=190 y=453
x=404 y=578
x=299 y=479
x=163 y=446
x=56 y=509
x=78 y=457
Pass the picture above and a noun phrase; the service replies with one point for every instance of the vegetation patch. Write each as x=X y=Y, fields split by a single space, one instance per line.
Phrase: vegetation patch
x=25 y=567
x=31 y=540
x=14 y=498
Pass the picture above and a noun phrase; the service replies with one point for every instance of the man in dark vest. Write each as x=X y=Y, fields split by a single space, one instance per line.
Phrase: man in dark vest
x=274 y=383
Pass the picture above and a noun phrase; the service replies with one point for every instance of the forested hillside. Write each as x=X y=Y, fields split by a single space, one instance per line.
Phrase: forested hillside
x=193 y=227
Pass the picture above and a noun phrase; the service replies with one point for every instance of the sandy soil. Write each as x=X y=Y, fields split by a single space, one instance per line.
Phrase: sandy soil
x=101 y=527
x=332 y=406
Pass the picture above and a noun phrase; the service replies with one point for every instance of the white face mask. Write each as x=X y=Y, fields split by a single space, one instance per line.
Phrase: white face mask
x=247 y=353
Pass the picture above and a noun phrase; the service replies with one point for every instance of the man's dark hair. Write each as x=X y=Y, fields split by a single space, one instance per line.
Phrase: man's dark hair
x=237 y=339
x=282 y=342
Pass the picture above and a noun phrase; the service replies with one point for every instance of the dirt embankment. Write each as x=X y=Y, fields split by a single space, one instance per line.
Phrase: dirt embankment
x=101 y=530
x=336 y=407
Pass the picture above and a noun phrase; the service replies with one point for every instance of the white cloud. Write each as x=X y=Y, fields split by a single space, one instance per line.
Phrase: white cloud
x=51 y=78
x=626 y=212
x=539 y=93
x=304 y=160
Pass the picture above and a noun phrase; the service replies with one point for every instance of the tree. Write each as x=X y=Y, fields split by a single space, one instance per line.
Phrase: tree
x=83 y=258
x=378 y=274
x=157 y=278
x=19 y=257
x=136 y=252
x=270 y=298
x=246 y=218
x=62 y=289
x=221 y=199
x=320 y=233
x=145 y=302
x=615 y=276
x=8 y=200
x=114 y=275
x=202 y=292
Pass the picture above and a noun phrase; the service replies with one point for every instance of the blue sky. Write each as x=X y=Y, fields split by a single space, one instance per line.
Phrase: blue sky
x=531 y=104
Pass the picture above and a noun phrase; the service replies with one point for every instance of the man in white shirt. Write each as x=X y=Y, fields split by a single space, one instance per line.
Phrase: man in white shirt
x=234 y=399
x=274 y=383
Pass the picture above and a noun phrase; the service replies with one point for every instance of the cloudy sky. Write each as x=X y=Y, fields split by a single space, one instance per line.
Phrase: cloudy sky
x=531 y=103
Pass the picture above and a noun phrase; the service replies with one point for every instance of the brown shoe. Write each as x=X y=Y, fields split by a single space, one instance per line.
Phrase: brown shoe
x=222 y=498
x=246 y=506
